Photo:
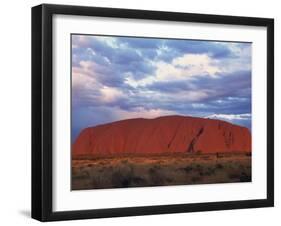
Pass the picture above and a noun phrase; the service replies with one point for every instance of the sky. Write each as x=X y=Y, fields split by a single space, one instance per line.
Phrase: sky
x=116 y=78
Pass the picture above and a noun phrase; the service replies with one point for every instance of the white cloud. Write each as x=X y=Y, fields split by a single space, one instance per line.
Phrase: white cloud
x=186 y=66
x=91 y=51
x=197 y=64
x=130 y=80
x=110 y=41
x=240 y=61
x=85 y=81
x=230 y=117
x=181 y=68
x=82 y=77
x=85 y=75
x=110 y=94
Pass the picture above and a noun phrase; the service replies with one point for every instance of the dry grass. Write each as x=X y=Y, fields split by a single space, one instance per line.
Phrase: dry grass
x=119 y=172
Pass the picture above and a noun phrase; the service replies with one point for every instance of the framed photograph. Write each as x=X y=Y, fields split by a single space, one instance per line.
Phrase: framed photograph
x=140 y=112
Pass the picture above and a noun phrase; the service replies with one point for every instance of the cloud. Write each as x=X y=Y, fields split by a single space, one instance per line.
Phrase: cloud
x=81 y=77
x=90 y=87
x=110 y=94
x=213 y=49
x=141 y=43
x=197 y=64
x=230 y=117
x=116 y=56
x=180 y=68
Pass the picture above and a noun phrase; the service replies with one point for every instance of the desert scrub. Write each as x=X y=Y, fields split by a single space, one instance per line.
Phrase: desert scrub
x=219 y=166
x=156 y=177
x=145 y=171
x=195 y=179
x=81 y=175
x=186 y=169
x=124 y=176
x=245 y=177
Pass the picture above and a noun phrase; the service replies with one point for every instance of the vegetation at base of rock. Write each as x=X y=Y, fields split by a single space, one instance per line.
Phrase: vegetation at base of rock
x=143 y=171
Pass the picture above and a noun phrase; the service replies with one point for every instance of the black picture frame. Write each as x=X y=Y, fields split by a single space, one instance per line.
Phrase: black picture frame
x=42 y=111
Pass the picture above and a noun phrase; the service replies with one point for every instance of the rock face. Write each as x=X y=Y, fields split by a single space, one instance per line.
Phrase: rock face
x=168 y=134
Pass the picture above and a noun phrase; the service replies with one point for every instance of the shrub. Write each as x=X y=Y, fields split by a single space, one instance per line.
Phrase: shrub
x=219 y=166
x=195 y=179
x=245 y=178
x=187 y=169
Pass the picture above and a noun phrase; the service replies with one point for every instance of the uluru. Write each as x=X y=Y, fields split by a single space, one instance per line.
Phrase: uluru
x=162 y=135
